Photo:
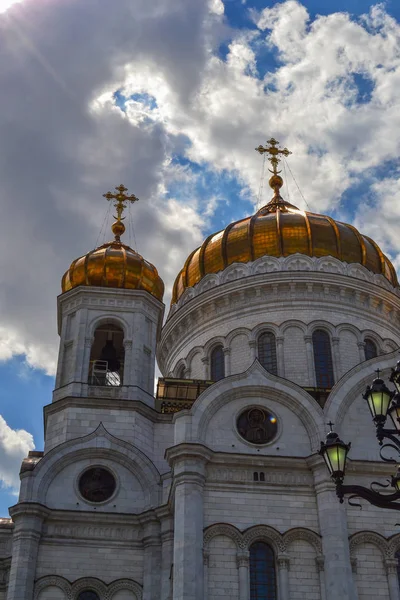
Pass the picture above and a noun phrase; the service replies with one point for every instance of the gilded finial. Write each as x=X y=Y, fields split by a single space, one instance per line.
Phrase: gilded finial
x=276 y=180
x=121 y=199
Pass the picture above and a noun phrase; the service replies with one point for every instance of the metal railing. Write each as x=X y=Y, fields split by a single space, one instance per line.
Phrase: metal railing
x=99 y=374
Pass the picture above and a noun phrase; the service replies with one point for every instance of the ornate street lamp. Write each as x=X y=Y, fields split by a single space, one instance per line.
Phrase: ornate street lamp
x=378 y=397
x=395 y=376
x=334 y=452
x=381 y=403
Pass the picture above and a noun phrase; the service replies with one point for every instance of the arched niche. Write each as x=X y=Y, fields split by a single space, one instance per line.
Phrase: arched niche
x=107 y=356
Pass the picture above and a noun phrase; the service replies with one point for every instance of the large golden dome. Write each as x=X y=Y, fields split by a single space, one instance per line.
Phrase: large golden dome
x=281 y=229
x=114 y=265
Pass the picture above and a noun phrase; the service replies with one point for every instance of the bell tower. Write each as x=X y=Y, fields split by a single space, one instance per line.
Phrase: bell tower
x=109 y=319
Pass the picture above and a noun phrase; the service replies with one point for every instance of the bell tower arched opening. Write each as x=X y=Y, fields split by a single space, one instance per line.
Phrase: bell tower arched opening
x=107 y=356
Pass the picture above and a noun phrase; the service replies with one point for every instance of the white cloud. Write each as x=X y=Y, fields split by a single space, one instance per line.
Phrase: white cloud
x=66 y=140
x=14 y=446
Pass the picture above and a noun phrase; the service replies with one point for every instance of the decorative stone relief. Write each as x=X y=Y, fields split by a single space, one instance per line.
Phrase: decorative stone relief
x=296 y=262
x=370 y=537
x=71 y=591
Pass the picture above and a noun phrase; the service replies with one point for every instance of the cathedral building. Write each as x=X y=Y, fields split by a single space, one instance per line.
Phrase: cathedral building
x=212 y=488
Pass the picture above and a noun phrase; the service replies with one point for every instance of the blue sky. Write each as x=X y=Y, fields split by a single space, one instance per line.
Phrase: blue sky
x=173 y=106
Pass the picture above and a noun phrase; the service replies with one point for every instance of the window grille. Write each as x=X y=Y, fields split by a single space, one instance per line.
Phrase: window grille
x=370 y=349
x=267 y=352
x=88 y=595
x=262 y=572
x=217 y=364
x=323 y=359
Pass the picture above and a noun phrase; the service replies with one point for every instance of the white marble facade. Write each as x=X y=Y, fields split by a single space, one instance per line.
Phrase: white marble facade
x=192 y=495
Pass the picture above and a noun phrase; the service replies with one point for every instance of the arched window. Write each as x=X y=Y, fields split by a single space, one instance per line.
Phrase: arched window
x=107 y=356
x=370 y=349
x=88 y=595
x=217 y=364
x=322 y=359
x=181 y=372
x=397 y=556
x=262 y=572
x=267 y=352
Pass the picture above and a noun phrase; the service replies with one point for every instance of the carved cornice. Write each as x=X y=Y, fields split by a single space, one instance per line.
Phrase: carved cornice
x=31 y=509
x=184 y=451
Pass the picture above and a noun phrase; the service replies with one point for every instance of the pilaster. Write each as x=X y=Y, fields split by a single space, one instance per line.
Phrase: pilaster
x=361 y=349
x=28 y=519
x=188 y=462
x=227 y=361
x=283 y=562
x=243 y=559
x=152 y=560
x=337 y=367
x=333 y=528
x=280 y=356
x=393 y=582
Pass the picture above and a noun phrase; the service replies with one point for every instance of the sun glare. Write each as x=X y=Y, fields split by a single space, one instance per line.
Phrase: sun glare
x=5 y=4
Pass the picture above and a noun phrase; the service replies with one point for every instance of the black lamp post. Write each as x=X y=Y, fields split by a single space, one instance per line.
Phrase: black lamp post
x=381 y=402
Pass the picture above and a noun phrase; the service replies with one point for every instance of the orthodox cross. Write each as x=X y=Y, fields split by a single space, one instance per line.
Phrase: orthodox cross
x=274 y=152
x=120 y=200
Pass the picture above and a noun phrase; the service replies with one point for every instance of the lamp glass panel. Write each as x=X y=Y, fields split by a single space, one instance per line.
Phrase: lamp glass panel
x=378 y=403
x=396 y=381
x=337 y=458
x=328 y=462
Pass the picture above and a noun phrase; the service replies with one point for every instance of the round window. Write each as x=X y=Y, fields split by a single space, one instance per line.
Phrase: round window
x=257 y=425
x=97 y=484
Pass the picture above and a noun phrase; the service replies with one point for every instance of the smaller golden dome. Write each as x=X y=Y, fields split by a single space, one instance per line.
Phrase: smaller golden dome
x=114 y=265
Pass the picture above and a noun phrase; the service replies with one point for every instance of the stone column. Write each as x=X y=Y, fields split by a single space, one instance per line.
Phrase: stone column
x=333 y=528
x=283 y=575
x=152 y=560
x=353 y=561
x=280 y=356
x=242 y=558
x=227 y=361
x=86 y=359
x=167 y=554
x=361 y=349
x=188 y=462
x=127 y=378
x=320 y=561
x=28 y=519
x=393 y=583
x=206 y=560
x=337 y=367
x=80 y=346
x=253 y=349
x=310 y=360
x=206 y=363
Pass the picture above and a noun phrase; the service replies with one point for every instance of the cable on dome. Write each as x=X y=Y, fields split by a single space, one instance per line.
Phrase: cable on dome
x=294 y=179
x=131 y=229
x=261 y=188
x=286 y=182
x=103 y=226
